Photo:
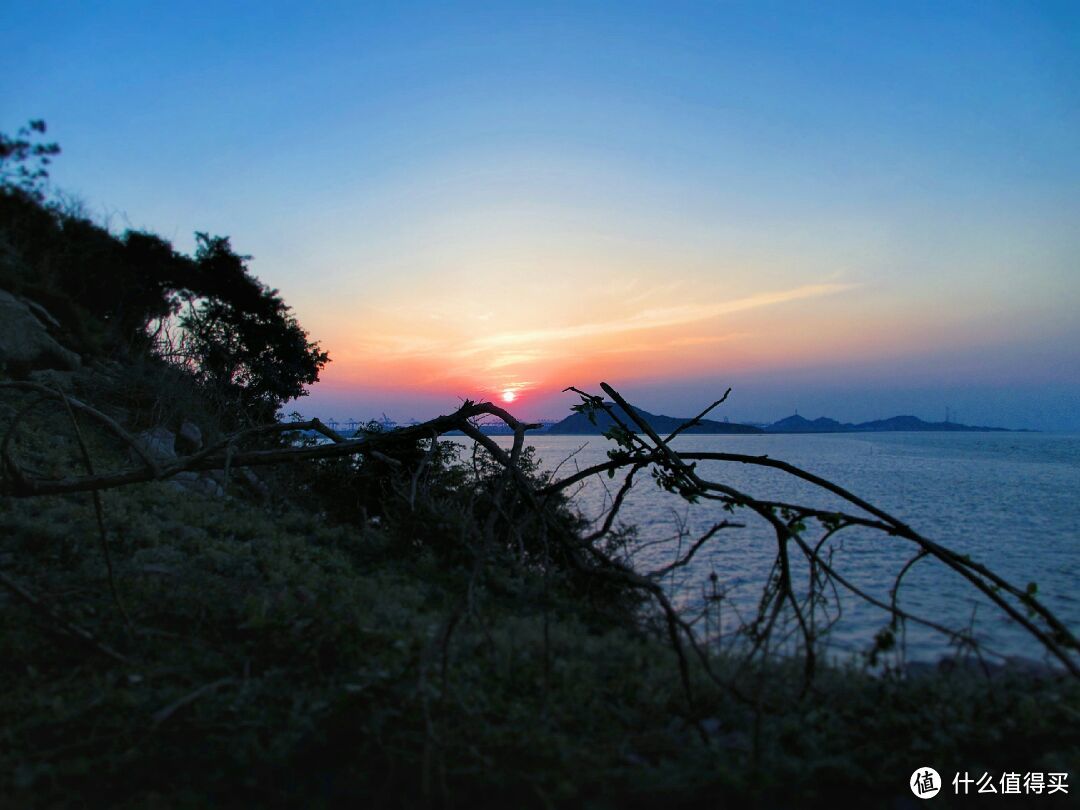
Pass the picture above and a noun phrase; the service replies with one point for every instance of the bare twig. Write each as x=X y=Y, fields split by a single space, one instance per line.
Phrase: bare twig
x=640 y=447
x=164 y=714
x=99 y=512
x=73 y=630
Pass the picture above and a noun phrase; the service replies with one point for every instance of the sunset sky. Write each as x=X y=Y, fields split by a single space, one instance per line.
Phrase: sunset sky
x=853 y=209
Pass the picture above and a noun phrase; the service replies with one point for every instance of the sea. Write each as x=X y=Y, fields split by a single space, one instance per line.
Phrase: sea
x=1010 y=501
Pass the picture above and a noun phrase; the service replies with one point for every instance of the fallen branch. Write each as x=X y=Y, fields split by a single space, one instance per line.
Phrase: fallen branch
x=639 y=447
x=54 y=618
x=162 y=715
x=19 y=484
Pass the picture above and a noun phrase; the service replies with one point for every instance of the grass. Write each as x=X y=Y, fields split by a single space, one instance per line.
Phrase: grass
x=281 y=658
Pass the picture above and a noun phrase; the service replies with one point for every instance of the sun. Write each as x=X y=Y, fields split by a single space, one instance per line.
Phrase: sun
x=508 y=396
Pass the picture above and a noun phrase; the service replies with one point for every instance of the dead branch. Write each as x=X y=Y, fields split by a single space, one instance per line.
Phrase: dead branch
x=99 y=510
x=639 y=447
x=54 y=618
x=164 y=714
x=215 y=457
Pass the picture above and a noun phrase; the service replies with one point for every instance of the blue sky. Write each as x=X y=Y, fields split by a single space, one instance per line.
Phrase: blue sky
x=869 y=207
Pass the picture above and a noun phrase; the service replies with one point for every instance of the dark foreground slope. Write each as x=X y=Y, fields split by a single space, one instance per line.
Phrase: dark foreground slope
x=278 y=655
x=329 y=636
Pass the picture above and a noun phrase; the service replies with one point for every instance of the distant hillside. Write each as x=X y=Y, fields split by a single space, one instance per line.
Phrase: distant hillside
x=799 y=424
x=578 y=423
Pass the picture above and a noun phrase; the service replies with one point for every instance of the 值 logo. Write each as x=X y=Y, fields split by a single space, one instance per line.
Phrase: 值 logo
x=925 y=782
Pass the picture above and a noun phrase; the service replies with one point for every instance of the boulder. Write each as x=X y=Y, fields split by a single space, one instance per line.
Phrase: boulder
x=257 y=485
x=189 y=438
x=208 y=486
x=201 y=483
x=54 y=378
x=25 y=342
x=159 y=443
x=42 y=314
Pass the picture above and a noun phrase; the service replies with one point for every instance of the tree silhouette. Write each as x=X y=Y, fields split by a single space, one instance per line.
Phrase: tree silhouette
x=238 y=338
x=23 y=163
x=242 y=340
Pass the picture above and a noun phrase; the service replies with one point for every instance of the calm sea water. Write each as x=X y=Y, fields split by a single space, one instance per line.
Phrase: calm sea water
x=1009 y=500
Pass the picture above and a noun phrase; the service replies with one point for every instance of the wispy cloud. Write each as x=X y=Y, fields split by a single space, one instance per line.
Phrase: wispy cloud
x=658 y=317
x=640 y=346
x=458 y=353
x=511 y=358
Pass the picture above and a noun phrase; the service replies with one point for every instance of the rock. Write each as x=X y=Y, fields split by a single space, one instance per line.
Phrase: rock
x=42 y=314
x=159 y=443
x=734 y=741
x=712 y=726
x=108 y=369
x=25 y=342
x=159 y=557
x=155 y=568
x=253 y=481
x=722 y=738
x=190 y=482
x=189 y=438
x=208 y=486
x=54 y=378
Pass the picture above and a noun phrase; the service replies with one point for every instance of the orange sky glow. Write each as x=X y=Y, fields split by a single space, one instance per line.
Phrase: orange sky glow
x=856 y=209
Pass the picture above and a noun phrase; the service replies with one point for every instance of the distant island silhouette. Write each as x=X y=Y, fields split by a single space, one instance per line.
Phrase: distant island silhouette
x=579 y=423
x=799 y=424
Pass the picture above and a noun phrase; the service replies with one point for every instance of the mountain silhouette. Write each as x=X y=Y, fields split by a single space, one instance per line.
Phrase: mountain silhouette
x=799 y=424
x=579 y=423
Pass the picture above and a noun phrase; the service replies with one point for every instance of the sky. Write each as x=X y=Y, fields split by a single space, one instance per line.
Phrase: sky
x=846 y=209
